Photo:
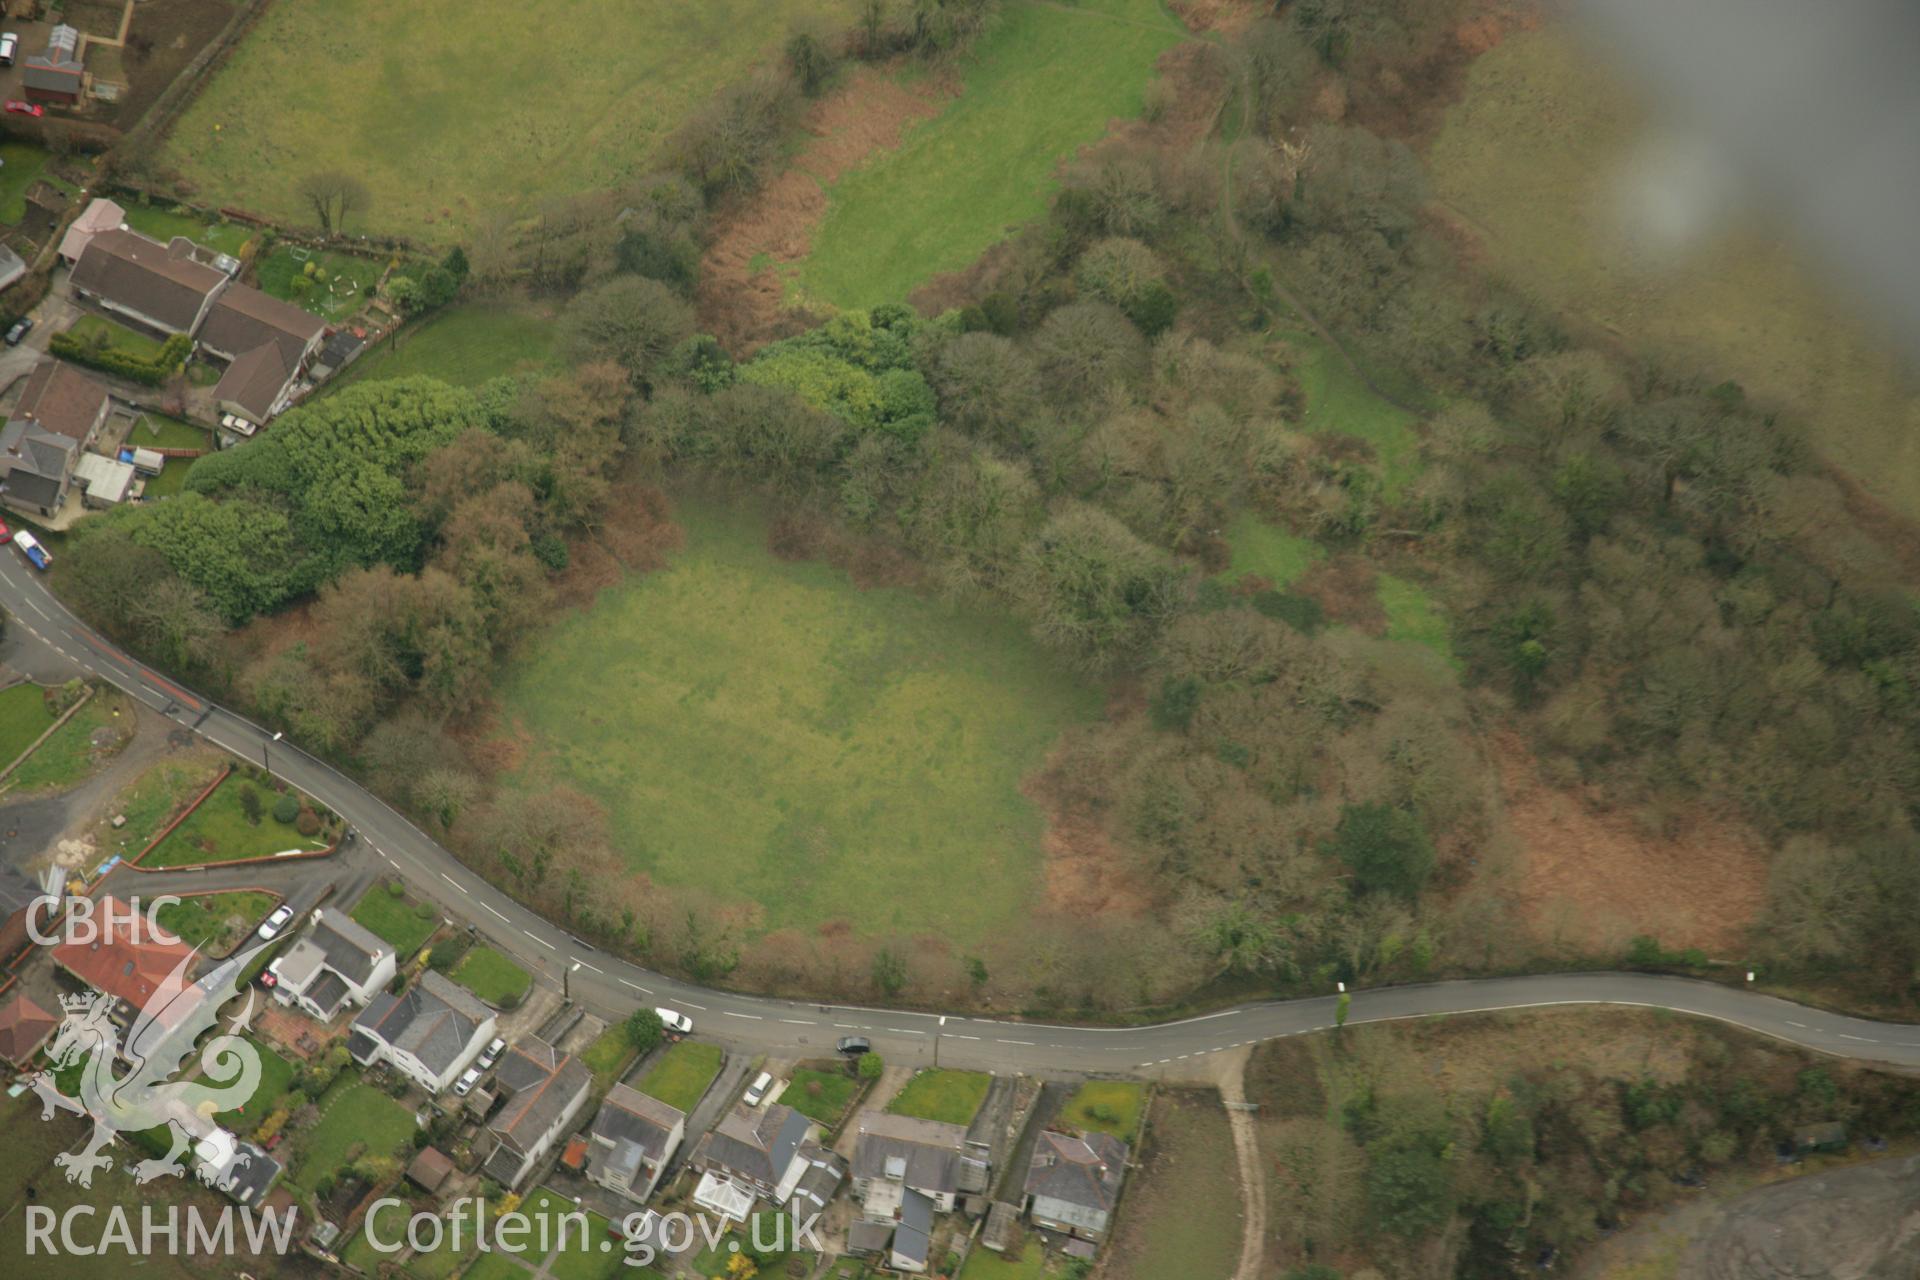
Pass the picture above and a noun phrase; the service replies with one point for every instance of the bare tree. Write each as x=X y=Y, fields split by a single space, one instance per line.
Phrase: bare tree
x=333 y=195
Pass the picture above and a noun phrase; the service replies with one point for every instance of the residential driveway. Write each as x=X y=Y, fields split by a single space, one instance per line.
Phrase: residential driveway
x=719 y=1096
x=55 y=312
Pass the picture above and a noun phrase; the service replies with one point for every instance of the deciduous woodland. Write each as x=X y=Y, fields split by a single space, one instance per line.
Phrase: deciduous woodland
x=1313 y=553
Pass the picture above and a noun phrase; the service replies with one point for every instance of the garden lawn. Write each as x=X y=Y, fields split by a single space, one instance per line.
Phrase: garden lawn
x=214 y=922
x=117 y=336
x=464 y=346
x=164 y=224
x=682 y=1074
x=68 y=756
x=492 y=977
x=953 y=1097
x=23 y=718
x=23 y=162
x=580 y=1259
x=154 y=797
x=1110 y=1106
x=608 y=1055
x=765 y=728
x=452 y=111
x=397 y=919
x=219 y=831
x=819 y=1095
x=985 y=1264
x=356 y=1112
x=350 y=278
x=498 y=1266
x=1043 y=83
x=171 y=480
x=1262 y=550
x=158 y=431
x=276 y=1077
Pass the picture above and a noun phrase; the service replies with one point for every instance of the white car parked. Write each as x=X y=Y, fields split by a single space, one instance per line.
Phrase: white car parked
x=270 y=927
x=464 y=1085
x=678 y=1023
x=757 y=1091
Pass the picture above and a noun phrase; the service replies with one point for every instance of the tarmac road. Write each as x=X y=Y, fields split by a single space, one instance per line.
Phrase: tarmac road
x=47 y=639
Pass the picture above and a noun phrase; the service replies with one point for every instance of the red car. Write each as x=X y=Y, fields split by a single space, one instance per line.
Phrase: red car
x=5 y=532
x=20 y=108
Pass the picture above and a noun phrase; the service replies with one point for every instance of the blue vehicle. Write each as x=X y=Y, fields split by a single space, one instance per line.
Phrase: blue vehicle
x=30 y=548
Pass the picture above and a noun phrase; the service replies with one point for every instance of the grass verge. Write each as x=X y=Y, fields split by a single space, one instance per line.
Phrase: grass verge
x=953 y=1097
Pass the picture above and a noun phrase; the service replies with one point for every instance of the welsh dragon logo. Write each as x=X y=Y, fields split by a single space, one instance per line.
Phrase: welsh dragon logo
x=144 y=1096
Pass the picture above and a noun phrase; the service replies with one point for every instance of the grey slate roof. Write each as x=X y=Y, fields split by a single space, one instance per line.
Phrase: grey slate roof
x=158 y=280
x=868 y=1237
x=914 y=1235
x=351 y=948
x=540 y=1102
x=527 y=1065
x=627 y=1115
x=919 y=1153
x=825 y=1172
x=34 y=490
x=328 y=992
x=433 y=1020
x=757 y=1144
x=255 y=380
x=243 y=318
x=17 y=890
x=1081 y=1169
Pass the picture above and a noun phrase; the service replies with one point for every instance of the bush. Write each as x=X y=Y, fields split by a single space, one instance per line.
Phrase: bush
x=308 y=823
x=250 y=806
x=286 y=809
x=173 y=354
x=1386 y=848
x=871 y=1065
x=446 y=954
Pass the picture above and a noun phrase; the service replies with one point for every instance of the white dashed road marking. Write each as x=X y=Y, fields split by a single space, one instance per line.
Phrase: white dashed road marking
x=537 y=938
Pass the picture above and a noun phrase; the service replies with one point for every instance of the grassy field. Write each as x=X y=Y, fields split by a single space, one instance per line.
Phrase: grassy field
x=155 y=796
x=349 y=279
x=20 y=164
x=962 y=180
x=355 y=1113
x=69 y=755
x=164 y=224
x=452 y=110
x=23 y=718
x=219 y=830
x=1412 y=615
x=1338 y=402
x=682 y=1074
x=767 y=729
x=171 y=480
x=465 y=346
x=953 y=1097
x=1264 y=551
x=819 y=1095
x=492 y=977
x=214 y=922
x=1110 y=1106
x=1532 y=156
x=92 y=328
x=396 y=918
x=1181 y=1213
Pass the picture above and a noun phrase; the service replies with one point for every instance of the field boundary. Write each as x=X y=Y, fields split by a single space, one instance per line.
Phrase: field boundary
x=60 y=720
x=226 y=771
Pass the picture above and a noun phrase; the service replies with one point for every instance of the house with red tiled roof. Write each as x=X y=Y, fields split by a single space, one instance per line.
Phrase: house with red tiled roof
x=24 y=1027
x=121 y=958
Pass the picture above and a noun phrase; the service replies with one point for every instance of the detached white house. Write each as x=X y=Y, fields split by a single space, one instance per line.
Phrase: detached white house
x=428 y=1033
x=336 y=965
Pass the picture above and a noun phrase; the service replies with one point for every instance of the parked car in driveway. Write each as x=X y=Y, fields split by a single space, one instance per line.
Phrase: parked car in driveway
x=758 y=1089
x=678 y=1024
x=464 y=1085
x=19 y=108
x=270 y=927
x=21 y=328
x=491 y=1054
